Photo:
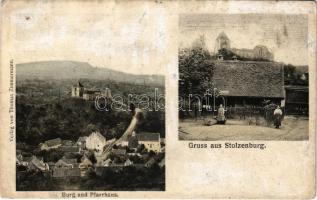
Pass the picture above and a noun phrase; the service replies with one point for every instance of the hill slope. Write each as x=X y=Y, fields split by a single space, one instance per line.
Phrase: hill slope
x=79 y=70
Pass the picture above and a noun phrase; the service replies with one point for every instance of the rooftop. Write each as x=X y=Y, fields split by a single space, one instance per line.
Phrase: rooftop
x=98 y=135
x=54 y=142
x=147 y=136
x=252 y=79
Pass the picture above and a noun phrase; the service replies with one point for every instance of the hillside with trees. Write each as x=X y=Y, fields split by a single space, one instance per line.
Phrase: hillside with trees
x=45 y=110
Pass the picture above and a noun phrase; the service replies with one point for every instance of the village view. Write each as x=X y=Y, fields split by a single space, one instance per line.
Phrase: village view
x=64 y=142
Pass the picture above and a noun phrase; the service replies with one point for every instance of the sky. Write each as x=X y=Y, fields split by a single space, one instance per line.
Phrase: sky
x=285 y=35
x=126 y=40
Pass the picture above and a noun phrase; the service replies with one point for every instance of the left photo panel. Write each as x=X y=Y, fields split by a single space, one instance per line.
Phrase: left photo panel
x=90 y=103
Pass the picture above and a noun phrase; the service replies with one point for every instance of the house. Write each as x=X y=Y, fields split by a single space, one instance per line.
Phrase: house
x=297 y=100
x=150 y=163
x=51 y=144
x=84 y=165
x=66 y=163
x=81 y=142
x=297 y=91
x=151 y=141
x=38 y=164
x=241 y=83
x=91 y=95
x=128 y=162
x=96 y=142
x=23 y=160
x=79 y=91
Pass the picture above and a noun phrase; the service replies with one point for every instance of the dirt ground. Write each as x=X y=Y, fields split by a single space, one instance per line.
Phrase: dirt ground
x=293 y=128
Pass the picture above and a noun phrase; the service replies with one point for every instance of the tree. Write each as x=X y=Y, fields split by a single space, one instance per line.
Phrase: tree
x=289 y=74
x=195 y=71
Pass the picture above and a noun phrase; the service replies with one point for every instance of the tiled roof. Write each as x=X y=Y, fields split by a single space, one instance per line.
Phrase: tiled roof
x=39 y=164
x=67 y=142
x=146 y=136
x=70 y=161
x=54 y=142
x=98 y=135
x=249 y=79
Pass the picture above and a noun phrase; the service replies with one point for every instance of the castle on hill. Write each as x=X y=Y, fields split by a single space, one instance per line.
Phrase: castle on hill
x=79 y=91
x=258 y=52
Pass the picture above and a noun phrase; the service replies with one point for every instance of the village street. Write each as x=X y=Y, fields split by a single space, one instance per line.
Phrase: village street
x=293 y=128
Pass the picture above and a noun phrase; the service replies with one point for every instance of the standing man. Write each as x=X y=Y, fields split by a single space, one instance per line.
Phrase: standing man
x=277 y=117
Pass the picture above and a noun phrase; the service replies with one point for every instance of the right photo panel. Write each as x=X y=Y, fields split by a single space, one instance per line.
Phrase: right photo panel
x=243 y=77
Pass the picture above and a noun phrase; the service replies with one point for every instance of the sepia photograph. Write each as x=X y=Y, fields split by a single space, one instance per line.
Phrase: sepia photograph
x=157 y=99
x=87 y=119
x=243 y=77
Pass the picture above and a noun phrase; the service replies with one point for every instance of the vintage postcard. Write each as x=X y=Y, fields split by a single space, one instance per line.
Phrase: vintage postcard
x=157 y=99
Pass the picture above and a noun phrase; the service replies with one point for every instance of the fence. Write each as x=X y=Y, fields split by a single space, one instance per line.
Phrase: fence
x=244 y=112
x=257 y=115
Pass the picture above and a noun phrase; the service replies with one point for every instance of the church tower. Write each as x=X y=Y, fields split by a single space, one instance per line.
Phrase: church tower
x=222 y=41
x=78 y=90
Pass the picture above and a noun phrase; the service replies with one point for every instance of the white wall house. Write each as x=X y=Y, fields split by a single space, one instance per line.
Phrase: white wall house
x=96 y=141
x=151 y=141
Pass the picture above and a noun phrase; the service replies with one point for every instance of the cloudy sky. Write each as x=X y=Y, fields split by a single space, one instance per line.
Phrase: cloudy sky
x=284 y=35
x=105 y=35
